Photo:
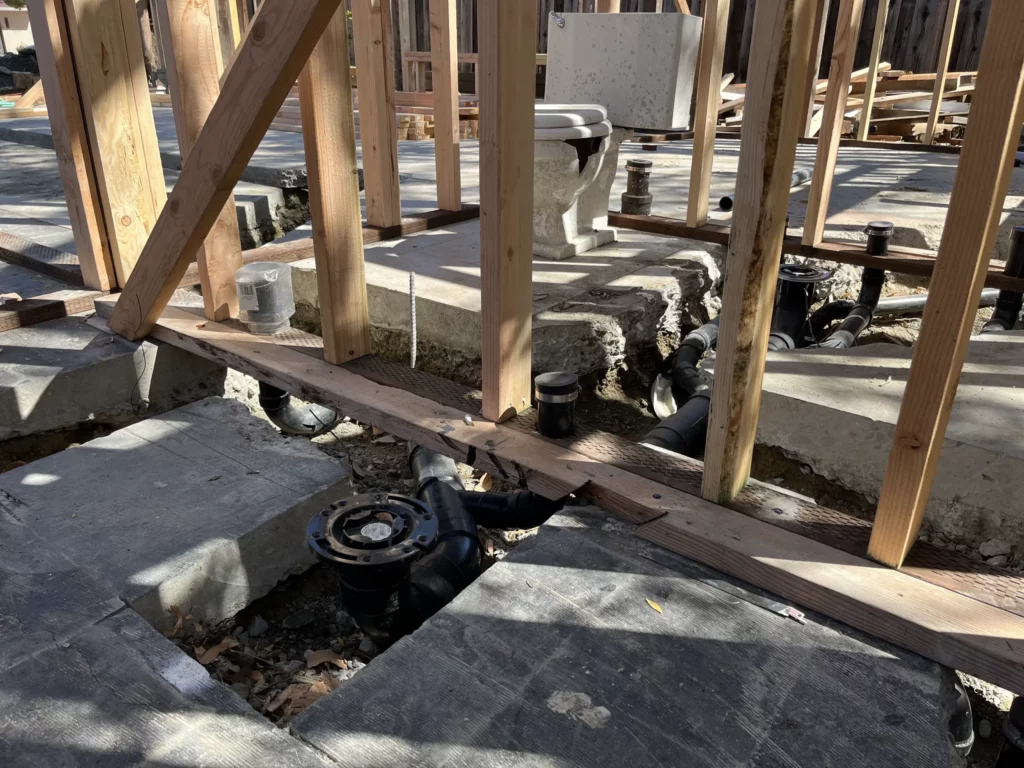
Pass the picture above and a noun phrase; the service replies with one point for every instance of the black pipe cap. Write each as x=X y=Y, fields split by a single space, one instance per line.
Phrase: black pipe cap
x=880 y=228
x=556 y=383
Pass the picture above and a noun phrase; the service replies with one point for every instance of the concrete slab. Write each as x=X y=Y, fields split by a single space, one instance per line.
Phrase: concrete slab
x=554 y=657
x=27 y=282
x=204 y=507
x=63 y=372
x=836 y=412
x=120 y=694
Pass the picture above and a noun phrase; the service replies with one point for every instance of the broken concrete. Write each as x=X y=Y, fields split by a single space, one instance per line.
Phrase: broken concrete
x=204 y=507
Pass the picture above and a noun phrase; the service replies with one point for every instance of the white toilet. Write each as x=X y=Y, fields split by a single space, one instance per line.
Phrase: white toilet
x=576 y=151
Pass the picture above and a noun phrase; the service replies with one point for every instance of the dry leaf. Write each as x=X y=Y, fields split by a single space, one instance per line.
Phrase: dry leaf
x=316 y=658
x=207 y=656
x=179 y=623
x=653 y=605
x=485 y=483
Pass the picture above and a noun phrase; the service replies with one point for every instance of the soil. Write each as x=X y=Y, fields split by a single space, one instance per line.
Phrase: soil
x=17 y=62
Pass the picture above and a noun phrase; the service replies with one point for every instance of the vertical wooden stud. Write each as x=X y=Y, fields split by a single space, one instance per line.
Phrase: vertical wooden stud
x=844 y=48
x=975 y=206
x=773 y=116
x=872 y=76
x=328 y=132
x=709 y=97
x=405 y=44
x=508 y=35
x=192 y=42
x=71 y=142
x=371 y=33
x=445 y=67
x=941 y=68
x=107 y=51
x=607 y=6
x=810 y=85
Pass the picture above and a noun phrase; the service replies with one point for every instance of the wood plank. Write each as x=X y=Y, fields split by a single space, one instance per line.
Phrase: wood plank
x=507 y=39
x=71 y=143
x=844 y=47
x=279 y=40
x=948 y=627
x=15 y=113
x=229 y=32
x=445 y=80
x=709 y=88
x=607 y=6
x=371 y=35
x=779 y=59
x=329 y=138
x=872 y=73
x=48 y=306
x=107 y=51
x=811 y=83
x=405 y=43
x=941 y=67
x=32 y=96
x=192 y=44
x=975 y=206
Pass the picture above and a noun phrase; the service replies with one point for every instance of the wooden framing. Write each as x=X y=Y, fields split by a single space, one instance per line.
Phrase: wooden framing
x=982 y=179
x=371 y=35
x=844 y=48
x=811 y=83
x=941 y=67
x=328 y=134
x=192 y=46
x=508 y=31
x=878 y=36
x=607 y=6
x=780 y=56
x=445 y=77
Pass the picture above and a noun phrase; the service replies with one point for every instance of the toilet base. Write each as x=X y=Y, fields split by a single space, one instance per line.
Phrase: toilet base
x=581 y=243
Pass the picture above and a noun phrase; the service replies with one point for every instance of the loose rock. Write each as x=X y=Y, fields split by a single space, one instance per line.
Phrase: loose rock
x=257 y=627
x=984 y=729
x=994 y=547
x=367 y=647
x=298 y=620
x=998 y=561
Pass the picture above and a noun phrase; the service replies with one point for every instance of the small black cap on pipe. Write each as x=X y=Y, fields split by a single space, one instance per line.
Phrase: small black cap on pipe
x=556 y=394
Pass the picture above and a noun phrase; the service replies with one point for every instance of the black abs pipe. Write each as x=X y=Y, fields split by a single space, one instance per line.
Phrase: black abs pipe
x=800 y=177
x=1009 y=303
x=509 y=511
x=309 y=420
x=1012 y=753
x=686 y=430
x=793 y=299
x=871 y=282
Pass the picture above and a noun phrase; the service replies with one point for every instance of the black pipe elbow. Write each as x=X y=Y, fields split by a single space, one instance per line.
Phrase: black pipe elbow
x=518 y=510
x=309 y=420
x=845 y=336
x=686 y=430
x=825 y=315
x=426 y=465
x=686 y=378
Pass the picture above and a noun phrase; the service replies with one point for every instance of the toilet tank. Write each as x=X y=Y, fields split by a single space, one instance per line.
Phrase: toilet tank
x=640 y=66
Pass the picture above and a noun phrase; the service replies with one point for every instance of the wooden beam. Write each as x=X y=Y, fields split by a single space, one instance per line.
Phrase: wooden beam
x=779 y=58
x=71 y=143
x=228 y=29
x=943 y=625
x=32 y=96
x=709 y=96
x=192 y=45
x=445 y=79
x=508 y=35
x=982 y=179
x=49 y=306
x=405 y=44
x=682 y=7
x=844 y=48
x=107 y=51
x=279 y=40
x=607 y=6
x=378 y=134
x=810 y=90
x=872 y=73
x=941 y=67
x=328 y=134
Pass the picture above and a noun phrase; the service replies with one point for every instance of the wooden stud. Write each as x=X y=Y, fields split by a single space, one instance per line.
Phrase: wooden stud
x=228 y=29
x=107 y=50
x=709 y=97
x=328 y=133
x=941 y=67
x=810 y=90
x=194 y=64
x=844 y=47
x=872 y=73
x=405 y=44
x=779 y=59
x=71 y=143
x=445 y=69
x=975 y=206
x=279 y=40
x=371 y=35
x=32 y=96
x=508 y=34
x=607 y=6
x=682 y=7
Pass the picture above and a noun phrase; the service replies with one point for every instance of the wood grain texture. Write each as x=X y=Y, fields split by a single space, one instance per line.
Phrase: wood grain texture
x=507 y=38
x=607 y=6
x=975 y=206
x=328 y=134
x=278 y=42
x=192 y=45
x=48 y=306
x=941 y=67
x=818 y=46
x=71 y=143
x=32 y=96
x=709 y=96
x=872 y=73
x=445 y=79
x=107 y=51
x=780 y=56
x=378 y=133
x=844 y=48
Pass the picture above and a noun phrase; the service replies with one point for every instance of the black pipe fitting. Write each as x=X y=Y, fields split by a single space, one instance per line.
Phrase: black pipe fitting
x=800 y=177
x=518 y=510
x=794 y=296
x=556 y=394
x=686 y=430
x=1009 y=303
x=310 y=420
x=637 y=198
x=1012 y=753
x=879 y=233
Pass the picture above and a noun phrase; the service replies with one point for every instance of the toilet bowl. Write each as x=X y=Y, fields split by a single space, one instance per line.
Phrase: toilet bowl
x=576 y=151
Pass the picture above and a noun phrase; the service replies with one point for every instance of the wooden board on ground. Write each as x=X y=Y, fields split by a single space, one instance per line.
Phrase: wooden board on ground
x=48 y=306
